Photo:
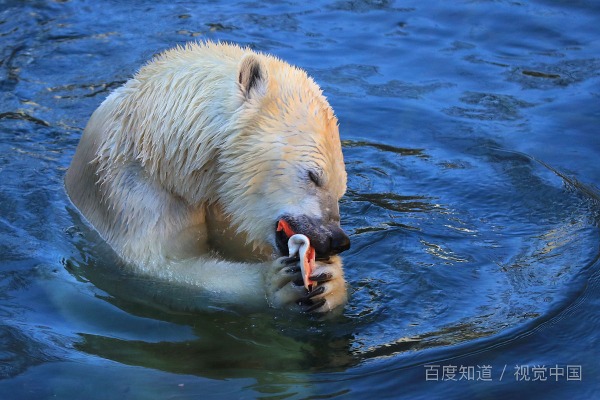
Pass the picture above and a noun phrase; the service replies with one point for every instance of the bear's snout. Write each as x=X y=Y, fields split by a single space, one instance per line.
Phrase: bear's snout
x=339 y=240
x=326 y=238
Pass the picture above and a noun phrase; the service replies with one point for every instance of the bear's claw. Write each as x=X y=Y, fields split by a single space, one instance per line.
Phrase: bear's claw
x=314 y=293
x=316 y=306
x=290 y=260
x=293 y=270
x=324 y=277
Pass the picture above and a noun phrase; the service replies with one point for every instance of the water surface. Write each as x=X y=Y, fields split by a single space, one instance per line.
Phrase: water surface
x=470 y=136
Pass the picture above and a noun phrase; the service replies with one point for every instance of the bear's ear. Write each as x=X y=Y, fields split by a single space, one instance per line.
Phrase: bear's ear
x=252 y=77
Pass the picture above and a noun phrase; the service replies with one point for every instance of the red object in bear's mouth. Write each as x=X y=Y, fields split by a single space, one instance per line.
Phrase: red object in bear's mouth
x=284 y=226
x=309 y=257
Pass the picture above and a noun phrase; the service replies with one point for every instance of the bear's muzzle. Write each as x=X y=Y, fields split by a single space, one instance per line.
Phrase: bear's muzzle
x=326 y=238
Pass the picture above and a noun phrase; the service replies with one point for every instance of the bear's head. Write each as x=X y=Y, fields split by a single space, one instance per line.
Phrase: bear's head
x=282 y=158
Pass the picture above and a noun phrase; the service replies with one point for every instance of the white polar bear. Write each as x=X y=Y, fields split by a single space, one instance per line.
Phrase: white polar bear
x=187 y=169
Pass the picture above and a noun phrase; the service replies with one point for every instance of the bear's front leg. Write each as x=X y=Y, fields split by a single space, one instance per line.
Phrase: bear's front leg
x=285 y=288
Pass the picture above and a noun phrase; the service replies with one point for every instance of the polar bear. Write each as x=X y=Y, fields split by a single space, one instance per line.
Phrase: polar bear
x=187 y=169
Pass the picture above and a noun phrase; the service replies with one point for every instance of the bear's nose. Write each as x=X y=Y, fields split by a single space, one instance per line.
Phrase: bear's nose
x=339 y=241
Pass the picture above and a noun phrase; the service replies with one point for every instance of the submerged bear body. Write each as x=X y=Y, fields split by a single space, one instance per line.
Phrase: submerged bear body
x=202 y=152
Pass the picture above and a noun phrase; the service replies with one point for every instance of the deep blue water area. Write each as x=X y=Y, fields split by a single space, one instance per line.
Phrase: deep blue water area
x=470 y=132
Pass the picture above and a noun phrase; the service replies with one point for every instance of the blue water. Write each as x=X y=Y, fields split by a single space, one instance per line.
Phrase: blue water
x=470 y=134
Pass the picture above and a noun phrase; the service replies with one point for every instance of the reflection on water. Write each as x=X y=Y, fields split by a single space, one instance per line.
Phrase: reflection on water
x=472 y=202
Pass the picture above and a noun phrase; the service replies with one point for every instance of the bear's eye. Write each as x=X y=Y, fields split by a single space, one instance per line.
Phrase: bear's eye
x=315 y=177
